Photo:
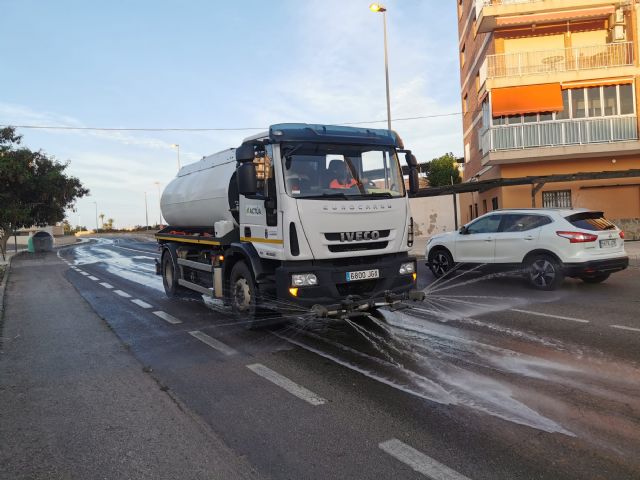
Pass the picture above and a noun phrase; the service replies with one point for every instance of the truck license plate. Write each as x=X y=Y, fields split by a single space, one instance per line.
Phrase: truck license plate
x=362 y=275
x=607 y=243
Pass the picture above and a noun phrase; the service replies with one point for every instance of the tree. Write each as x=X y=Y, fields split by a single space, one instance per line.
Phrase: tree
x=102 y=215
x=441 y=170
x=34 y=189
x=108 y=225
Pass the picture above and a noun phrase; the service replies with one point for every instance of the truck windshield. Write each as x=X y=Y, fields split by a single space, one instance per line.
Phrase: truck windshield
x=317 y=170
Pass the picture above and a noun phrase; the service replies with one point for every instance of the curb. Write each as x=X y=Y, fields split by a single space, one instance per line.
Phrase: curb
x=3 y=285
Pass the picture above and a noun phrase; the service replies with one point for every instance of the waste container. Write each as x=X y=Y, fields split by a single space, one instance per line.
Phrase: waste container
x=40 y=242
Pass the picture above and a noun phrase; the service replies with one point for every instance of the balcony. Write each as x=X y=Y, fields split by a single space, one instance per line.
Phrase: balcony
x=546 y=62
x=492 y=14
x=560 y=133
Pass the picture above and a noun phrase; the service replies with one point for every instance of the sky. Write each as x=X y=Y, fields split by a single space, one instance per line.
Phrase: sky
x=214 y=64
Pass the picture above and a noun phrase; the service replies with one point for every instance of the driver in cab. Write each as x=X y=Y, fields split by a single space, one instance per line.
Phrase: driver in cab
x=342 y=178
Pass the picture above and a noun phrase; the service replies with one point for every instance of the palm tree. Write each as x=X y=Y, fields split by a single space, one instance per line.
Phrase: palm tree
x=102 y=219
x=110 y=223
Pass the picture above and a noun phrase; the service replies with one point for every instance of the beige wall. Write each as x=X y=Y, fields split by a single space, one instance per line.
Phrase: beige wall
x=533 y=44
x=433 y=215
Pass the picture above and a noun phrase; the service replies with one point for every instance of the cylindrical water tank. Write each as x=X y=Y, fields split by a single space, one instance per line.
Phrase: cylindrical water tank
x=203 y=192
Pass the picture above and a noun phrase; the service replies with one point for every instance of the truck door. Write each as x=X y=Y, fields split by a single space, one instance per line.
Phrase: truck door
x=259 y=218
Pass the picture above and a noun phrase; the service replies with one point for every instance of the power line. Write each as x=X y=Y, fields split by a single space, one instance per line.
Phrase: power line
x=234 y=129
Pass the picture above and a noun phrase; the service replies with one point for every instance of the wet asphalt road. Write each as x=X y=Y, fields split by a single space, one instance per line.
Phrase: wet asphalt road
x=487 y=377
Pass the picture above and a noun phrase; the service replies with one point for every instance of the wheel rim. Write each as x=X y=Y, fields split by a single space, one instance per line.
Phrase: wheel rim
x=543 y=273
x=440 y=264
x=242 y=294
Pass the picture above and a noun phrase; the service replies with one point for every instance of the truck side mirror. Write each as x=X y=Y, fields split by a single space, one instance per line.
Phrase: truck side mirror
x=411 y=160
x=245 y=153
x=414 y=181
x=247 y=180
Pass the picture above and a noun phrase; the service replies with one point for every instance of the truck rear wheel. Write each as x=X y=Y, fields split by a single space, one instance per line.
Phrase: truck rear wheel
x=169 y=277
x=243 y=293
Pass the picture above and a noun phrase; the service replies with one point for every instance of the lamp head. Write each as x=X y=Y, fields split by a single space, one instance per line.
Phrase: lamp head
x=377 y=8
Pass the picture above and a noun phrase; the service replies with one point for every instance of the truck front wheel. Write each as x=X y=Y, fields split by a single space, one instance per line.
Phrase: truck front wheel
x=242 y=290
x=169 y=277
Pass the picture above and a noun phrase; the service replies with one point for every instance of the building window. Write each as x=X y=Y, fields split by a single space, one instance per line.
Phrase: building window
x=475 y=208
x=465 y=103
x=462 y=56
x=556 y=199
x=494 y=203
x=626 y=99
x=459 y=8
x=470 y=212
x=484 y=206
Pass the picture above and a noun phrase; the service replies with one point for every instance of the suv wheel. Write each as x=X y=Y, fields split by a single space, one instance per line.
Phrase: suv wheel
x=544 y=272
x=440 y=262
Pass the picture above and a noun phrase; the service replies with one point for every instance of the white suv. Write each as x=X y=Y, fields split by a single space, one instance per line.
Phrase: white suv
x=546 y=244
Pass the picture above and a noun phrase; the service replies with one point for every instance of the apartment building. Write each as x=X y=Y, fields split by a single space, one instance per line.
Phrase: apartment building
x=550 y=87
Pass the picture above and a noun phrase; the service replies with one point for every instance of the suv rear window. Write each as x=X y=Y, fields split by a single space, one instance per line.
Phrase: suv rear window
x=590 y=221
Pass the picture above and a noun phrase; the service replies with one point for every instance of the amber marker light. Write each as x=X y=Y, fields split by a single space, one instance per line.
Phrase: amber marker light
x=376 y=7
x=415 y=276
x=293 y=292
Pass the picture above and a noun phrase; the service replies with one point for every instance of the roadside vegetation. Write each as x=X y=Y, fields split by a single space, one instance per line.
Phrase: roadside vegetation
x=34 y=189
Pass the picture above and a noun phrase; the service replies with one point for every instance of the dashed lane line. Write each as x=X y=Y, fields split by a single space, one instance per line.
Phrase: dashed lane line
x=286 y=384
x=167 y=318
x=560 y=317
x=106 y=285
x=419 y=462
x=122 y=294
x=622 y=327
x=141 y=303
x=83 y=273
x=213 y=343
x=95 y=279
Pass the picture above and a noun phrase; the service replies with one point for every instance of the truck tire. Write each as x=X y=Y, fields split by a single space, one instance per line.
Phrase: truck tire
x=243 y=294
x=169 y=275
x=544 y=272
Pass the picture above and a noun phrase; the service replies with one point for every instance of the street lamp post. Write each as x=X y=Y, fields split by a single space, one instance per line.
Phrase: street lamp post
x=378 y=8
x=177 y=147
x=157 y=184
x=97 y=228
x=146 y=213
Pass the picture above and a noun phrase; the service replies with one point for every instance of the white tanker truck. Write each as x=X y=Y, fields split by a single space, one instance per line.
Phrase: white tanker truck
x=311 y=216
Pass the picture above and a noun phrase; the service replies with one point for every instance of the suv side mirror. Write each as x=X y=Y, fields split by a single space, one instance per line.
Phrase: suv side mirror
x=463 y=230
x=247 y=180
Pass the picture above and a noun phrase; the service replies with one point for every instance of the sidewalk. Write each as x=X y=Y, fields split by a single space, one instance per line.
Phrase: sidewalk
x=74 y=403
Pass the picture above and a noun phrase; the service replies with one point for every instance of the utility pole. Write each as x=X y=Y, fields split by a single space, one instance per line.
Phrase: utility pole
x=97 y=228
x=159 y=204
x=146 y=213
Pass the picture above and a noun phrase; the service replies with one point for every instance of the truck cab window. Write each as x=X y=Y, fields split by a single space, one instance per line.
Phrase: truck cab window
x=264 y=171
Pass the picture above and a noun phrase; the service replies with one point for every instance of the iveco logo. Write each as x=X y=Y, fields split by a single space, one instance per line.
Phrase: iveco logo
x=357 y=236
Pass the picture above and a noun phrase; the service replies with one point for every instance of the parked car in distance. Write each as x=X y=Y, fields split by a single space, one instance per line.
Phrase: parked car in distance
x=544 y=244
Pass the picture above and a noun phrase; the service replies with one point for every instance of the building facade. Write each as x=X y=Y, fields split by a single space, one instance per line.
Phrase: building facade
x=551 y=87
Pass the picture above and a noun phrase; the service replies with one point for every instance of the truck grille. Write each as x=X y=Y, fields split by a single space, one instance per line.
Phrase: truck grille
x=357 y=247
x=363 y=289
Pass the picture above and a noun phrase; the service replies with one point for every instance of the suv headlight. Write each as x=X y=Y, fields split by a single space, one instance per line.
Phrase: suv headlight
x=407 y=268
x=304 y=279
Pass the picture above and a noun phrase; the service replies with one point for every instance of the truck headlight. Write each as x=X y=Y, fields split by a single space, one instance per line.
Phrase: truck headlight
x=407 y=268
x=304 y=279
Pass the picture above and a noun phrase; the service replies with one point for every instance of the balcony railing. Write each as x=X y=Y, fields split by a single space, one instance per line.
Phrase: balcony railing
x=560 y=133
x=561 y=60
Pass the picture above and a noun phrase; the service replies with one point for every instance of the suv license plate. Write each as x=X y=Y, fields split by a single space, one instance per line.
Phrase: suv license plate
x=607 y=243
x=362 y=275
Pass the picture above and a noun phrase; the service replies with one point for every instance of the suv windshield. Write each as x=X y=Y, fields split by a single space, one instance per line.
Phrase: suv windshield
x=316 y=170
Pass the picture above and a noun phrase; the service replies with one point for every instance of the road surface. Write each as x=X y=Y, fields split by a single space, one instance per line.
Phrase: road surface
x=486 y=379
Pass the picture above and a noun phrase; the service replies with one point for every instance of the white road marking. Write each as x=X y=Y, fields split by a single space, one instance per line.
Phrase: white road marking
x=213 y=343
x=167 y=318
x=560 y=317
x=122 y=294
x=419 y=462
x=141 y=303
x=106 y=285
x=135 y=250
x=84 y=273
x=286 y=384
x=622 y=327
x=95 y=279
